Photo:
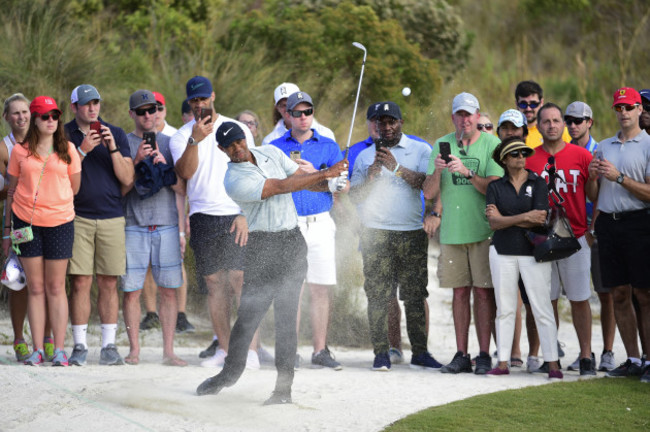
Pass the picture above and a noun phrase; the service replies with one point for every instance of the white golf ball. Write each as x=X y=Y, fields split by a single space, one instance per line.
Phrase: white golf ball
x=406 y=91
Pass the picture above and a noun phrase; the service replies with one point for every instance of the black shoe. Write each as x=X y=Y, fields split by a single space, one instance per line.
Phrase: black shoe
x=587 y=366
x=183 y=325
x=211 y=350
x=460 y=363
x=545 y=368
x=279 y=398
x=483 y=363
x=560 y=351
x=150 y=321
x=324 y=358
x=625 y=369
x=210 y=386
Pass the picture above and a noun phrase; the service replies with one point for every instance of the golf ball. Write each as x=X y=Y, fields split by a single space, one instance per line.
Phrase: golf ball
x=406 y=91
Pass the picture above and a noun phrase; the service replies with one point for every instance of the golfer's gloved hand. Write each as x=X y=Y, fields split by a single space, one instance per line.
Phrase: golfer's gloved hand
x=338 y=183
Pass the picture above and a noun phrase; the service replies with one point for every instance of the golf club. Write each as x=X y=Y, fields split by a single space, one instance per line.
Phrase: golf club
x=356 y=102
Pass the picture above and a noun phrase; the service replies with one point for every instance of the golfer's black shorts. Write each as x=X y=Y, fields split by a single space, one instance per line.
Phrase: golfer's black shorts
x=214 y=245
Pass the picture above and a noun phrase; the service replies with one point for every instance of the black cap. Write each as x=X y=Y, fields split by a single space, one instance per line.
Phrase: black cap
x=390 y=109
x=185 y=108
x=372 y=110
x=228 y=133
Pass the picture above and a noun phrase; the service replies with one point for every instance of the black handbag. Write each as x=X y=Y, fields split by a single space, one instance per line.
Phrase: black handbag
x=559 y=241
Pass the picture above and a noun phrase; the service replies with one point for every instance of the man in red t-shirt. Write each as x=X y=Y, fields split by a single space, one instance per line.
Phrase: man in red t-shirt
x=571 y=163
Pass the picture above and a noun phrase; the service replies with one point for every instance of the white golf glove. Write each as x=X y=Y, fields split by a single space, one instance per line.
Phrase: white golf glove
x=337 y=184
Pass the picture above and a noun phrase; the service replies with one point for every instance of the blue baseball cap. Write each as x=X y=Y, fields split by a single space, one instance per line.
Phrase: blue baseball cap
x=198 y=87
x=645 y=94
x=228 y=133
x=296 y=98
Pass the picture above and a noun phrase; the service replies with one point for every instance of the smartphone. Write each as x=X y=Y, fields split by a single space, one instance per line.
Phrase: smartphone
x=445 y=151
x=206 y=112
x=599 y=155
x=97 y=127
x=294 y=154
x=380 y=143
x=150 y=138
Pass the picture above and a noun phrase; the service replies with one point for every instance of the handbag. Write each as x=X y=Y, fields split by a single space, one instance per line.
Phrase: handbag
x=559 y=241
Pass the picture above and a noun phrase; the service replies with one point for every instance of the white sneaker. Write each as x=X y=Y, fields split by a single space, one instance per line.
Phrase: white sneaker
x=607 y=362
x=533 y=363
x=252 y=360
x=216 y=360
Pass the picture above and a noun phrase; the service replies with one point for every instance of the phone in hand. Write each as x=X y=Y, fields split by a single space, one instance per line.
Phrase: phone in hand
x=97 y=127
x=150 y=138
x=599 y=155
x=206 y=112
x=445 y=151
x=294 y=155
x=380 y=143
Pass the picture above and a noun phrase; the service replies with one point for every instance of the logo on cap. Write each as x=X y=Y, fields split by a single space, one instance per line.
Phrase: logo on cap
x=196 y=85
x=226 y=132
x=48 y=101
x=386 y=108
x=621 y=92
x=283 y=90
x=299 y=95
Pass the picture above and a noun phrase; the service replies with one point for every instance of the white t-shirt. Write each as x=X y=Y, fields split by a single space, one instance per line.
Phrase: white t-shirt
x=205 y=190
x=280 y=129
x=168 y=130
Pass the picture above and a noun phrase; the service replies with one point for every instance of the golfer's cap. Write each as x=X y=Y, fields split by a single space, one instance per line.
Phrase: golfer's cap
x=228 y=133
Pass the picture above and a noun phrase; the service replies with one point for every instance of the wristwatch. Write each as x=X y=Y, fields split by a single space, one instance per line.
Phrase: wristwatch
x=435 y=213
x=470 y=175
x=191 y=142
x=620 y=178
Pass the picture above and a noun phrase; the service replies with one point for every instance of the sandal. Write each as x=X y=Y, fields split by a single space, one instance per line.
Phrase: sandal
x=174 y=361
x=516 y=362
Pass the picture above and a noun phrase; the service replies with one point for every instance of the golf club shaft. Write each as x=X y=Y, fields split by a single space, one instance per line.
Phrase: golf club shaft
x=356 y=102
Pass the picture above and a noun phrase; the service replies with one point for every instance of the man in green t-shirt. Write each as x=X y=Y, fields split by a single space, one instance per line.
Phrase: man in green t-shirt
x=460 y=182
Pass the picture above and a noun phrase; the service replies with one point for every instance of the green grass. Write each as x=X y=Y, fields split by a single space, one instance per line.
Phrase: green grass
x=599 y=404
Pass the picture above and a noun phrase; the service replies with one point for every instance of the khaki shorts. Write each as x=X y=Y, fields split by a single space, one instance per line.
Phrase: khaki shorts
x=465 y=265
x=99 y=247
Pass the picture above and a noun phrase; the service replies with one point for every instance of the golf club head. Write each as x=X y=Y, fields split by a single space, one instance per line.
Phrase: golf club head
x=361 y=47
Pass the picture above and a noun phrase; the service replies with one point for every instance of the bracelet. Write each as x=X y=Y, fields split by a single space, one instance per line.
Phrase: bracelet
x=435 y=213
x=116 y=149
x=181 y=233
x=396 y=168
x=81 y=152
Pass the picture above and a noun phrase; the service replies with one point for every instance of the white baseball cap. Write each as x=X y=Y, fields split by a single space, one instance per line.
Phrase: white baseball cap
x=13 y=275
x=284 y=90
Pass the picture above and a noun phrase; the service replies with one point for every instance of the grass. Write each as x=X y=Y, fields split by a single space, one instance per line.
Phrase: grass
x=598 y=404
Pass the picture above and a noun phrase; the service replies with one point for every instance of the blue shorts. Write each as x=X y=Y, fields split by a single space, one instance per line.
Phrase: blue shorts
x=51 y=243
x=158 y=245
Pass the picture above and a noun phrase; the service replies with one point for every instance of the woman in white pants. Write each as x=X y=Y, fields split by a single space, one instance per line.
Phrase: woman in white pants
x=515 y=203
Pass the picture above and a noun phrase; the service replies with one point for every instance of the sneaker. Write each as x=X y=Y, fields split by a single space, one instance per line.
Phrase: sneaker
x=150 y=321
x=607 y=362
x=324 y=359
x=575 y=365
x=625 y=369
x=297 y=362
x=60 y=358
x=381 y=363
x=396 y=356
x=555 y=374
x=545 y=368
x=183 y=325
x=279 y=398
x=497 y=372
x=252 y=360
x=533 y=363
x=36 y=358
x=645 y=378
x=560 y=351
x=211 y=350
x=483 y=363
x=210 y=386
x=109 y=356
x=21 y=349
x=48 y=348
x=216 y=360
x=424 y=361
x=265 y=356
x=460 y=363
x=588 y=366
x=79 y=354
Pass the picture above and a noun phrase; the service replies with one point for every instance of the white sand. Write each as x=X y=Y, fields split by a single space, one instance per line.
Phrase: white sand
x=159 y=398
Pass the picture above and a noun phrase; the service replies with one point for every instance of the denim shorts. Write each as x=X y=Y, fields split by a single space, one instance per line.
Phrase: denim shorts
x=52 y=243
x=158 y=245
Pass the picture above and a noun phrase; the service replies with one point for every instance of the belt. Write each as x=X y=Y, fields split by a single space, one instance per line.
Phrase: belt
x=622 y=215
x=314 y=218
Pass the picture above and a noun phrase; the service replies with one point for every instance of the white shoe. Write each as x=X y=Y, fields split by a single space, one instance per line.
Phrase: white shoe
x=216 y=360
x=533 y=363
x=252 y=360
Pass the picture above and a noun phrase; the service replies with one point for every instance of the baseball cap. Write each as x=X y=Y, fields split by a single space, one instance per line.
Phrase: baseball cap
x=84 y=93
x=513 y=116
x=296 y=98
x=13 y=275
x=578 y=109
x=372 y=110
x=140 y=98
x=42 y=105
x=284 y=90
x=390 y=109
x=465 y=102
x=198 y=86
x=627 y=96
x=645 y=94
x=228 y=133
x=160 y=99
x=185 y=107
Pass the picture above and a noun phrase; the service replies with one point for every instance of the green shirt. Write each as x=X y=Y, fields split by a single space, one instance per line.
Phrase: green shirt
x=463 y=207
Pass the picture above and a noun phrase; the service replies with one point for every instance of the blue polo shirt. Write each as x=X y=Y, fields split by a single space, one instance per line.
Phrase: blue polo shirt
x=99 y=196
x=322 y=152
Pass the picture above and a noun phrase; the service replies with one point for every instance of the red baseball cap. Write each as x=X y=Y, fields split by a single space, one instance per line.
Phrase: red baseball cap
x=159 y=98
x=43 y=105
x=626 y=96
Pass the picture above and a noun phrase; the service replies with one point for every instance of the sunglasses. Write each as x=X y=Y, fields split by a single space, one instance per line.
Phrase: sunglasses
x=524 y=105
x=299 y=113
x=143 y=111
x=54 y=116
x=485 y=126
x=517 y=153
x=620 y=108
x=250 y=123
x=572 y=120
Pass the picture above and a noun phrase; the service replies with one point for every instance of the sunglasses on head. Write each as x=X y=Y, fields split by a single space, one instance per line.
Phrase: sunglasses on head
x=143 y=111
x=299 y=113
x=620 y=108
x=55 y=116
x=524 y=105
x=485 y=126
x=572 y=120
